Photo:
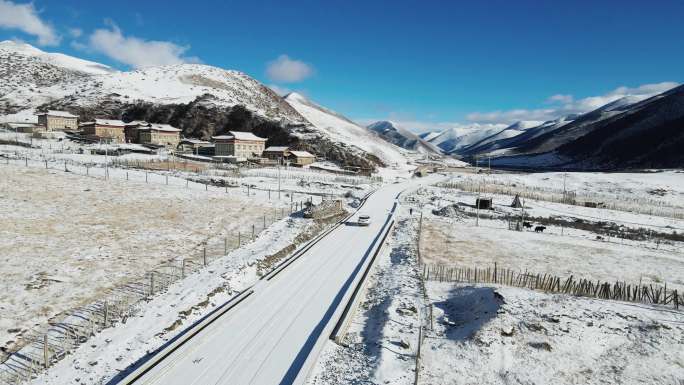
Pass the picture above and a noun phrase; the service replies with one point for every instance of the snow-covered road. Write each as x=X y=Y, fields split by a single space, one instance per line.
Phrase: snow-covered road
x=274 y=334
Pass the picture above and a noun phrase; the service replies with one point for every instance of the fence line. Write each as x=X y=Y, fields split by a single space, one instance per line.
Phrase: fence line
x=638 y=205
x=619 y=291
x=43 y=346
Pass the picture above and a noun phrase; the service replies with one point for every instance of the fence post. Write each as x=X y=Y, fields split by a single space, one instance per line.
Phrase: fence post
x=238 y=239
x=105 y=314
x=46 y=357
x=126 y=175
x=204 y=255
x=225 y=245
x=252 y=232
x=183 y=268
x=145 y=176
x=151 y=282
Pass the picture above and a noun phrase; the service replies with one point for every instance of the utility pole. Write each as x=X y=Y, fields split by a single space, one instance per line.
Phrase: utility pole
x=477 y=206
x=279 y=182
x=565 y=174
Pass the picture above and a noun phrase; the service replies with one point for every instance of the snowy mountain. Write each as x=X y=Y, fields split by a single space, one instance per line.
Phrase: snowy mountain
x=453 y=139
x=200 y=99
x=28 y=70
x=402 y=137
x=627 y=133
x=345 y=132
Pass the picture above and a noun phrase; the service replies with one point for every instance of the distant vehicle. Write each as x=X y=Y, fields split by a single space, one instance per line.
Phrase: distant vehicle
x=364 y=220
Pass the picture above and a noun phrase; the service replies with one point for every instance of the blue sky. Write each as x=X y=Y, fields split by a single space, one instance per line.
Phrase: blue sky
x=424 y=63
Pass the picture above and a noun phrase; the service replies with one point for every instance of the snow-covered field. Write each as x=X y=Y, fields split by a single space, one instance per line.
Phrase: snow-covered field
x=67 y=238
x=108 y=353
x=503 y=335
x=455 y=243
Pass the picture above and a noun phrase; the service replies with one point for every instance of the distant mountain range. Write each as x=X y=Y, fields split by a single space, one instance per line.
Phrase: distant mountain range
x=628 y=133
x=202 y=101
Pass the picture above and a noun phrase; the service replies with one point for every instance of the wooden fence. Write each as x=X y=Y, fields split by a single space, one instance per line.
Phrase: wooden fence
x=637 y=204
x=619 y=291
x=44 y=345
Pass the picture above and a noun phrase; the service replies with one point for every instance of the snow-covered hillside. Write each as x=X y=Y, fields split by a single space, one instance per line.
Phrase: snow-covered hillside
x=453 y=139
x=26 y=68
x=342 y=130
x=35 y=78
x=402 y=137
x=201 y=100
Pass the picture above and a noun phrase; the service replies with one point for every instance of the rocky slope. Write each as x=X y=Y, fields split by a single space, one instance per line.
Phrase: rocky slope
x=395 y=134
x=345 y=133
x=621 y=135
x=199 y=99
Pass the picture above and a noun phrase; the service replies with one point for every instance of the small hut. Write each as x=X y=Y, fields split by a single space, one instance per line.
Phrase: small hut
x=516 y=202
x=483 y=203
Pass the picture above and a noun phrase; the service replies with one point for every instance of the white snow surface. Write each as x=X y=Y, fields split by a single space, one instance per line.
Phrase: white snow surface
x=56 y=59
x=343 y=130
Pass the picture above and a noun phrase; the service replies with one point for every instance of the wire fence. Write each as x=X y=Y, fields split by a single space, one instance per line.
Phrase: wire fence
x=43 y=346
x=619 y=291
x=111 y=171
x=635 y=204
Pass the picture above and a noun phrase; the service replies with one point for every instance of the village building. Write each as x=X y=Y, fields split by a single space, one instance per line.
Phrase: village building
x=239 y=145
x=108 y=130
x=301 y=158
x=58 y=121
x=196 y=147
x=278 y=153
x=159 y=135
x=131 y=130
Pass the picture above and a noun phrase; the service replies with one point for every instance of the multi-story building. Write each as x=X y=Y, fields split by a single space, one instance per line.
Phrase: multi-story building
x=58 y=121
x=104 y=129
x=159 y=135
x=241 y=145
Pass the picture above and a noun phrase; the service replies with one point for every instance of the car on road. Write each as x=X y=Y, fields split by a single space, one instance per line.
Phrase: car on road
x=364 y=220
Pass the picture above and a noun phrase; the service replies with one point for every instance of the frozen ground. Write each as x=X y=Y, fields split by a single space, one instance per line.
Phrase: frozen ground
x=502 y=335
x=456 y=243
x=380 y=344
x=66 y=238
x=185 y=302
x=657 y=192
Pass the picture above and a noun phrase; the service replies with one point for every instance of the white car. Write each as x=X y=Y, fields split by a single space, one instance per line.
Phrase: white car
x=364 y=220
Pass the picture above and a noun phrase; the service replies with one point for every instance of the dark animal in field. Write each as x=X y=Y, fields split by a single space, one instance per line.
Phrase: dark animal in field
x=599 y=238
x=527 y=225
x=539 y=229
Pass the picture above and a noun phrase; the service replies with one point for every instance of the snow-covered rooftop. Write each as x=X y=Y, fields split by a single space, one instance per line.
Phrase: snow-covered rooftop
x=62 y=114
x=239 y=135
x=160 y=127
x=276 y=149
x=104 y=122
x=302 y=154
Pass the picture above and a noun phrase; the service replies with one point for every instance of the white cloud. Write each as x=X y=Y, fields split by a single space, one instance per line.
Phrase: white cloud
x=75 y=32
x=282 y=91
x=24 y=17
x=566 y=104
x=560 y=98
x=286 y=70
x=137 y=52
